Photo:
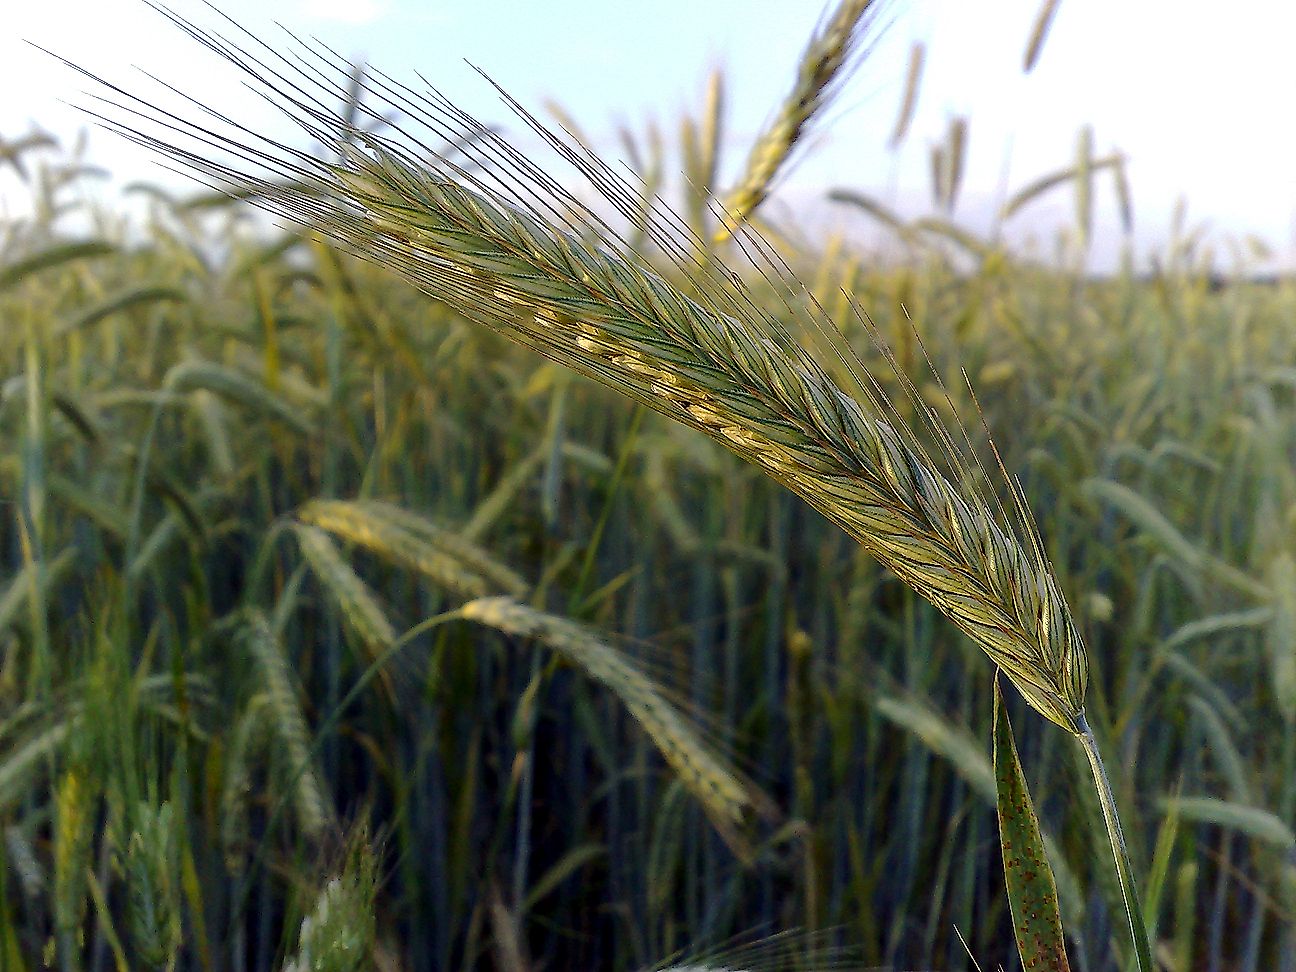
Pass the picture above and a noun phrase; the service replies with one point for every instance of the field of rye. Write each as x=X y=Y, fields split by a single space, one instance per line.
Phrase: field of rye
x=460 y=573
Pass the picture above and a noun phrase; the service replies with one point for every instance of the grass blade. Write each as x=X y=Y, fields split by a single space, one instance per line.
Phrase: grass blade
x=1032 y=892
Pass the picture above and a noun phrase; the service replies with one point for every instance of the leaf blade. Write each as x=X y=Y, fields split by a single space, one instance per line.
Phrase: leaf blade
x=1032 y=890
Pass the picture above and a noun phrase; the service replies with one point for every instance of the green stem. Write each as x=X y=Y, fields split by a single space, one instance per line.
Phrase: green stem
x=1133 y=912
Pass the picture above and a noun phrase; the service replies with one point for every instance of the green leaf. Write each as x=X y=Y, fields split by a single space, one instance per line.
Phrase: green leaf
x=1032 y=891
x=61 y=253
x=1256 y=823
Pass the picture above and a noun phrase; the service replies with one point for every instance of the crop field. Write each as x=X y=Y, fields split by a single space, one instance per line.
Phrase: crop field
x=455 y=573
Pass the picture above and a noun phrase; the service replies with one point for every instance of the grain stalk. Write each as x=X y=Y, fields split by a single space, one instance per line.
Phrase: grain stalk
x=494 y=236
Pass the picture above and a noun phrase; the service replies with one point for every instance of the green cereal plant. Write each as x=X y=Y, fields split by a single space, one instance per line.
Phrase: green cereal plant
x=150 y=862
x=337 y=934
x=407 y=539
x=909 y=103
x=824 y=64
x=489 y=232
x=727 y=799
x=1039 y=32
x=258 y=637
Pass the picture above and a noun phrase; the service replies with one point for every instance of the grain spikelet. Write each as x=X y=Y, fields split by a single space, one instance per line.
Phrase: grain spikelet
x=313 y=811
x=338 y=933
x=152 y=869
x=353 y=597
x=727 y=799
x=244 y=741
x=406 y=538
x=73 y=837
x=826 y=60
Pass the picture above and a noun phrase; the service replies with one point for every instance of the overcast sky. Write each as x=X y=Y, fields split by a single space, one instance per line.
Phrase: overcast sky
x=1198 y=99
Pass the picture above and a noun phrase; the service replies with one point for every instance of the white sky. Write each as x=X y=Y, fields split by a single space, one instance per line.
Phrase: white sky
x=1197 y=97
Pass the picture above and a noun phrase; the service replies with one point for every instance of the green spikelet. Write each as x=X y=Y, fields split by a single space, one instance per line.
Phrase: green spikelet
x=338 y=933
x=151 y=865
x=313 y=811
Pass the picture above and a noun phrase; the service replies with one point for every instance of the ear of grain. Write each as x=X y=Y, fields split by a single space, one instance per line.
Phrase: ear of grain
x=23 y=760
x=337 y=934
x=12 y=150
x=314 y=813
x=1223 y=750
x=244 y=742
x=826 y=60
x=53 y=256
x=938 y=169
x=151 y=864
x=358 y=604
x=1039 y=33
x=128 y=297
x=717 y=363
x=215 y=426
x=74 y=819
x=700 y=141
x=22 y=589
x=909 y=102
x=1124 y=197
x=728 y=800
x=407 y=538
